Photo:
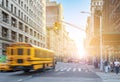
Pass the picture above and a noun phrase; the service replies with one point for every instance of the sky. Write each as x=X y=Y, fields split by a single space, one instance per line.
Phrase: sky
x=71 y=13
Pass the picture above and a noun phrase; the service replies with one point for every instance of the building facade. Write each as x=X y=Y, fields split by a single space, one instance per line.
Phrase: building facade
x=22 y=21
x=54 y=36
x=92 y=42
x=58 y=38
x=111 y=30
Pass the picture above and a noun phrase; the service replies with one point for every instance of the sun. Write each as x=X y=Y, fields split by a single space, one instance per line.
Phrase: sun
x=81 y=53
x=78 y=36
x=81 y=48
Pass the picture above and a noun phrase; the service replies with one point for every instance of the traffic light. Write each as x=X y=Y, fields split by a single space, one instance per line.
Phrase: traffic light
x=57 y=26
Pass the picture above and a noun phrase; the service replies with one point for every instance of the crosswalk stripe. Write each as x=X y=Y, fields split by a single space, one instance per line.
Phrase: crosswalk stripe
x=68 y=69
x=58 y=69
x=86 y=70
x=74 y=69
x=71 y=69
x=63 y=69
x=79 y=69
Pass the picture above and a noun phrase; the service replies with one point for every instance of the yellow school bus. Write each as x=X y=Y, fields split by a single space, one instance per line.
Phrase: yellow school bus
x=26 y=57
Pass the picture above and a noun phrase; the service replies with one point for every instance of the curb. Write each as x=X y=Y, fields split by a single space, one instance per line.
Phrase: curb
x=106 y=77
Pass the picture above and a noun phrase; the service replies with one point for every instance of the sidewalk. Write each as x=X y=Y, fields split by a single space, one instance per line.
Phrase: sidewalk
x=106 y=77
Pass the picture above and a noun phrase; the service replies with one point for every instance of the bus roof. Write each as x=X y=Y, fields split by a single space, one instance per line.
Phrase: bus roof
x=20 y=44
x=23 y=44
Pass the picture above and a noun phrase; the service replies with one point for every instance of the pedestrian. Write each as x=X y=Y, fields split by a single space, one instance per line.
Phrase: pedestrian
x=96 y=64
x=106 y=67
x=112 y=66
x=117 y=65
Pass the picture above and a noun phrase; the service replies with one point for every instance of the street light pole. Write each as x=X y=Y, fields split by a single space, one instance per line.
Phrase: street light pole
x=101 y=58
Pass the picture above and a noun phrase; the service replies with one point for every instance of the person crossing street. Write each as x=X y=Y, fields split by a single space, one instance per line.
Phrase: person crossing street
x=117 y=65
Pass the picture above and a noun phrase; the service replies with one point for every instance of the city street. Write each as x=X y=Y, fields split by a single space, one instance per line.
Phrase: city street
x=82 y=36
x=64 y=72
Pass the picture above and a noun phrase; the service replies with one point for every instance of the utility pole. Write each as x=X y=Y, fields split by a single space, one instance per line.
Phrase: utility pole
x=101 y=58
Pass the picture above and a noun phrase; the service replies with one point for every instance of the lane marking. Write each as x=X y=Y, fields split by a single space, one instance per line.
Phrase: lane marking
x=20 y=80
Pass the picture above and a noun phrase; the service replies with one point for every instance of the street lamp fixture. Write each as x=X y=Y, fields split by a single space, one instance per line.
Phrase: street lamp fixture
x=101 y=57
x=85 y=12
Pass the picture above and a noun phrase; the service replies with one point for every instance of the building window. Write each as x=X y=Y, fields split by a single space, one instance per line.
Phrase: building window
x=20 y=26
x=31 y=32
x=6 y=3
x=118 y=9
x=25 y=6
x=4 y=32
x=3 y=3
x=13 y=35
x=30 y=41
x=101 y=3
x=44 y=39
x=26 y=29
x=94 y=3
x=38 y=43
x=12 y=8
x=20 y=38
x=5 y=17
x=13 y=22
x=19 y=1
x=34 y=34
x=4 y=46
x=27 y=1
x=25 y=17
x=112 y=1
x=19 y=13
x=97 y=3
x=34 y=42
x=38 y=36
x=43 y=45
x=26 y=39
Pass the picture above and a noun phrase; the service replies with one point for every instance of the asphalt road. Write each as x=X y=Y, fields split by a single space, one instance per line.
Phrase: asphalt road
x=64 y=72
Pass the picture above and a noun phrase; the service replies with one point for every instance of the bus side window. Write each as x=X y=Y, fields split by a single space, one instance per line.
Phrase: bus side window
x=11 y=51
x=20 y=51
x=36 y=52
x=41 y=53
x=50 y=55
